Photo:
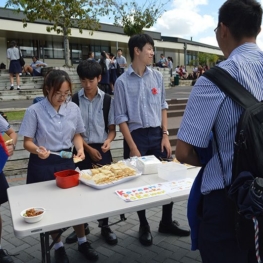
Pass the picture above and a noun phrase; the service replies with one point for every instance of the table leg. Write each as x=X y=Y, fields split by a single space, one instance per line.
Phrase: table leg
x=47 y=248
x=43 y=250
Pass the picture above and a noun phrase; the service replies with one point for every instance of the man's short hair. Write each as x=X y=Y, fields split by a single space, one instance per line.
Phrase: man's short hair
x=88 y=69
x=139 y=41
x=242 y=17
x=90 y=54
x=119 y=50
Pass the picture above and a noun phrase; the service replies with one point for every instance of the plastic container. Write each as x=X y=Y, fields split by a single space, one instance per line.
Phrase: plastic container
x=148 y=164
x=67 y=178
x=171 y=171
x=33 y=219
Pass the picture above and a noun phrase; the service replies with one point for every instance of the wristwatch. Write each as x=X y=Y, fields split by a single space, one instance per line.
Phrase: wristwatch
x=166 y=132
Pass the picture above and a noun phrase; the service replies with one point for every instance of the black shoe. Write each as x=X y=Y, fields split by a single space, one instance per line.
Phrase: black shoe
x=145 y=236
x=61 y=256
x=4 y=257
x=109 y=236
x=12 y=87
x=174 y=229
x=72 y=238
x=88 y=251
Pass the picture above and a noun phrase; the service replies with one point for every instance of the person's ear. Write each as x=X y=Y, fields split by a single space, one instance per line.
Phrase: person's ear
x=99 y=78
x=136 y=51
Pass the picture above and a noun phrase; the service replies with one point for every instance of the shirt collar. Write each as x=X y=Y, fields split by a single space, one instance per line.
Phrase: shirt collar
x=130 y=70
x=82 y=94
x=244 y=47
x=50 y=109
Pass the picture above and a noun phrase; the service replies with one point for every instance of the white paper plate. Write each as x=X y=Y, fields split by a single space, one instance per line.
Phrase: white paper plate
x=103 y=186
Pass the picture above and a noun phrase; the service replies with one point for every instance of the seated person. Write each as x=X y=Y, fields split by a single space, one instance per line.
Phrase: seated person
x=35 y=67
x=163 y=62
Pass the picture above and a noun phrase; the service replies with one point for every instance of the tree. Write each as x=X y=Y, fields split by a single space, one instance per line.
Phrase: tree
x=133 y=18
x=63 y=15
x=205 y=58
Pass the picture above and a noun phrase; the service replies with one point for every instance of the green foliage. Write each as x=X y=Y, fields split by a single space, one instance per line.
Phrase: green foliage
x=205 y=58
x=133 y=18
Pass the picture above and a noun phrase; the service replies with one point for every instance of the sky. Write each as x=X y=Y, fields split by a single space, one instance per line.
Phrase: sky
x=188 y=18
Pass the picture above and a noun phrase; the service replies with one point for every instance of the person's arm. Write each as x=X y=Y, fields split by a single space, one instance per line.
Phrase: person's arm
x=78 y=143
x=30 y=146
x=128 y=138
x=41 y=64
x=165 y=140
x=11 y=147
x=93 y=153
x=185 y=153
x=111 y=135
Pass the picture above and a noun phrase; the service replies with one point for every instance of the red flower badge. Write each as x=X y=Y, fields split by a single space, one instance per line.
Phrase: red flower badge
x=154 y=91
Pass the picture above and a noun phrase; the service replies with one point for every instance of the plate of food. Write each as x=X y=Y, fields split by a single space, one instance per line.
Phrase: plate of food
x=109 y=175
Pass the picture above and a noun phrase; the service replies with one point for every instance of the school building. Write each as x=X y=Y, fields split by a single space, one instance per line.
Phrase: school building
x=48 y=46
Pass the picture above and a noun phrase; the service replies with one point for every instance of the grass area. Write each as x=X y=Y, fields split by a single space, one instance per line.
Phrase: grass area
x=15 y=115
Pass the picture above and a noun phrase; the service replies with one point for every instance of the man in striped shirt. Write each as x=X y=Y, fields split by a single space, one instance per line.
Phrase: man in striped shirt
x=210 y=109
x=141 y=113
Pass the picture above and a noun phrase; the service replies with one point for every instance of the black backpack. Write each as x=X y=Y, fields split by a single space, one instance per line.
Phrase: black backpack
x=106 y=107
x=118 y=70
x=247 y=160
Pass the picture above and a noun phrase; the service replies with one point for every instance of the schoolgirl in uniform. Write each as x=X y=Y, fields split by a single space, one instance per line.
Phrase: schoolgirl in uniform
x=54 y=124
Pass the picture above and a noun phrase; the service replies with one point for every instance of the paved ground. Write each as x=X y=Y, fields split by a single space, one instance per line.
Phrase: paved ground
x=165 y=248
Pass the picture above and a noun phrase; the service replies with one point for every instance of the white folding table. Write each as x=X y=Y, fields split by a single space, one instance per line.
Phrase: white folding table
x=78 y=205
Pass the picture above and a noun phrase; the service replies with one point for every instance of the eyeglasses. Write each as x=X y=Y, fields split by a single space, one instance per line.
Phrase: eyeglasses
x=215 y=30
x=61 y=95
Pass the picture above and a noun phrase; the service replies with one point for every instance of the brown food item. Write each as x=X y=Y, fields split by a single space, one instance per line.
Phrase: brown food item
x=32 y=212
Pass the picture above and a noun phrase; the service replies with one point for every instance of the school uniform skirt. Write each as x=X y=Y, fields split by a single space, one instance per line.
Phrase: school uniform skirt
x=15 y=67
x=40 y=170
x=3 y=188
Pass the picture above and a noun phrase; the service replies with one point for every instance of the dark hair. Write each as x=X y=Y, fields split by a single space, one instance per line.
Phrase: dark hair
x=35 y=57
x=102 y=62
x=13 y=43
x=53 y=81
x=89 y=69
x=242 y=17
x=90 y=53
x=139 y=41
x=119 y=50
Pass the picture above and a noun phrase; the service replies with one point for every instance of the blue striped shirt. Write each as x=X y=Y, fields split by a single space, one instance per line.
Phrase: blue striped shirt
x=4 y=125
x=49 y=128
x=135 y=102
x=121 y=60
x=92 y=115
x=208 y=107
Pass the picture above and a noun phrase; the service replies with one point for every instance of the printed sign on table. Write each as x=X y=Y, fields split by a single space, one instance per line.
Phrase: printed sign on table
x=148 y=191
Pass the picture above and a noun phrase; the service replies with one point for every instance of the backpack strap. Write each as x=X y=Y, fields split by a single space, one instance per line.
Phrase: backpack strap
x=75 y=98
x=106 y=110
x=230 y=86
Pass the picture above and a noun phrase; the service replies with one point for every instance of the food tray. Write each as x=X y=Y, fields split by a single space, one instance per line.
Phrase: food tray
x=103 y=186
